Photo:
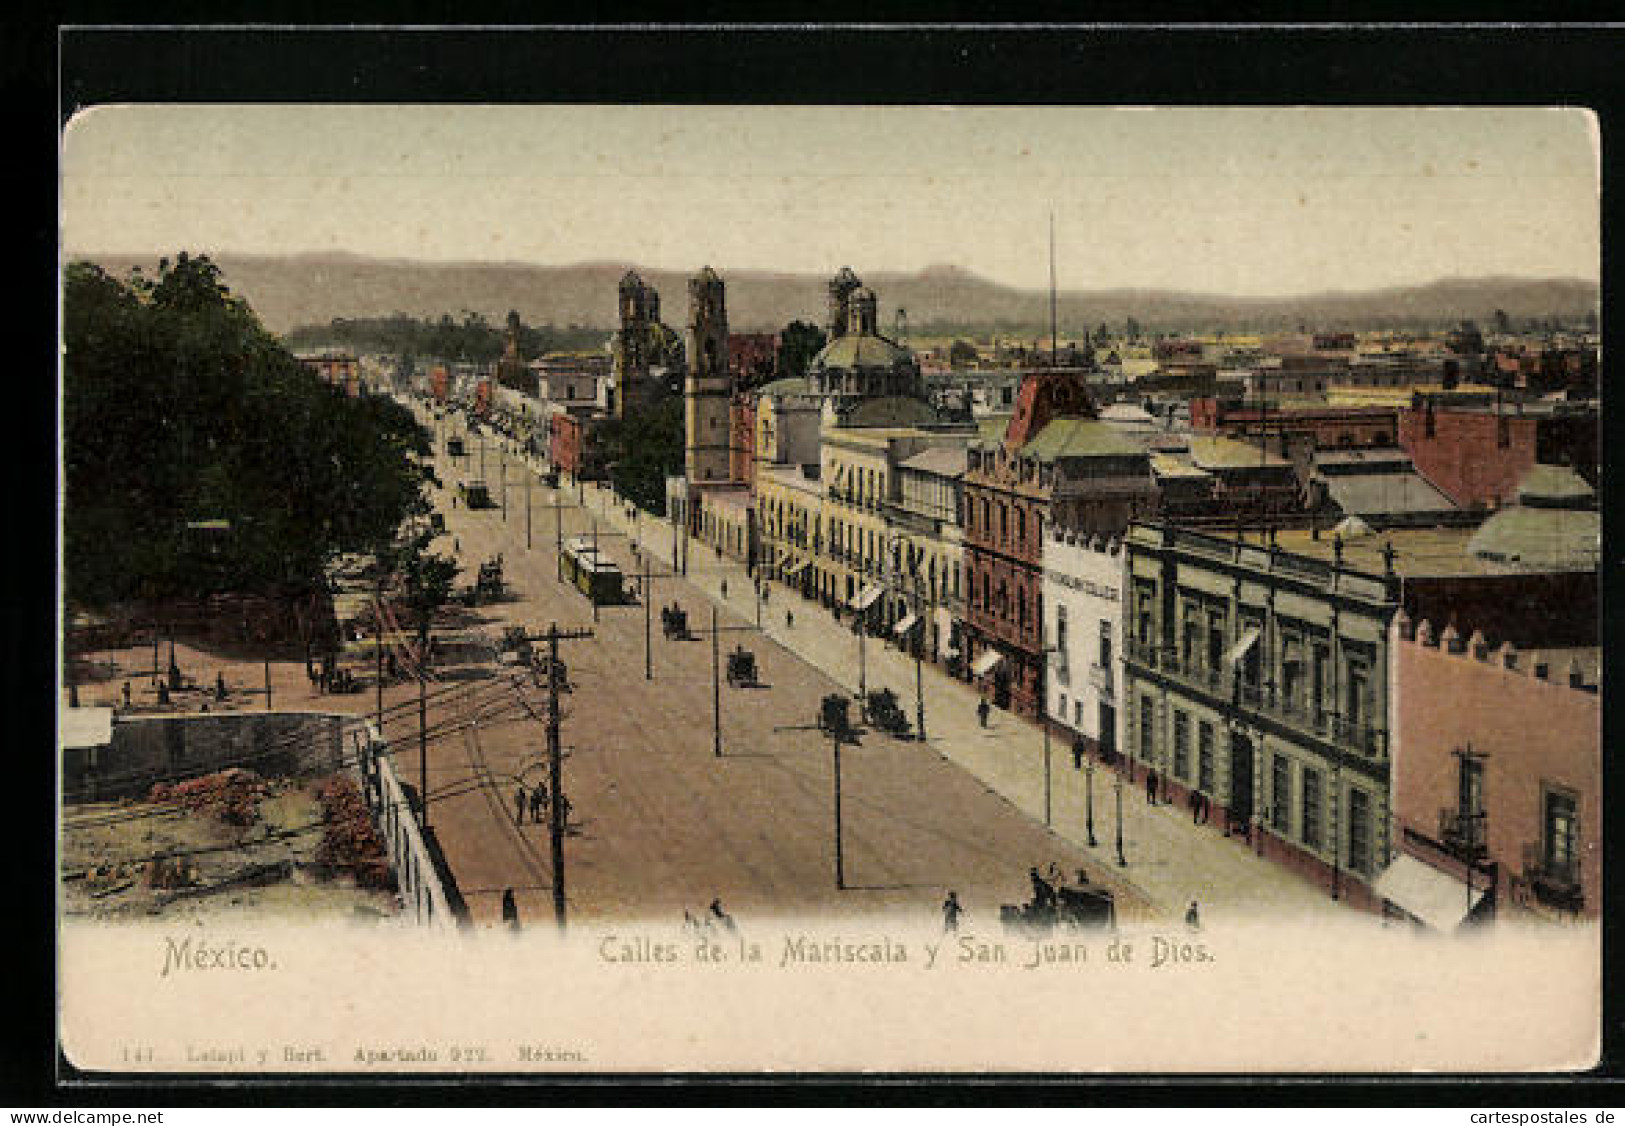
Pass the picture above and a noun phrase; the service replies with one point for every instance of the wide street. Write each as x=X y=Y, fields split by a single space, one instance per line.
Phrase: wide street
x=1169 y=861
x=660 y=822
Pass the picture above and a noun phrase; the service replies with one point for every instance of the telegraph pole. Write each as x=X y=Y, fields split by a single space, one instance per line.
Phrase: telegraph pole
x=1122 y=861
x=267 y=684
x=529 y=473
x=555 y=771
x=840 y=857
x=716 y=677
x=1044 y=722
x=504 y=464
x=423 y=751
x=716 y=690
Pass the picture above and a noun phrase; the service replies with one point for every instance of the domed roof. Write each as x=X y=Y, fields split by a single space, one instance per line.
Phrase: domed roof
x=856 y=351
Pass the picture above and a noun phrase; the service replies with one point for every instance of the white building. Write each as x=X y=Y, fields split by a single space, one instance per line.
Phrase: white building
x=1083 y=629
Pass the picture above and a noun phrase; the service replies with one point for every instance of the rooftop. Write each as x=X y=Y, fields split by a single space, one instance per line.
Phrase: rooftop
x=1385 y=493
x=944 y=461
x=1080 y=437
x=1228 y=453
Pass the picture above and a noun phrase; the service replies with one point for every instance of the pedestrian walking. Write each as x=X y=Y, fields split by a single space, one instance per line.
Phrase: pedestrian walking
x=1193 y=918
x=789 y=620
x=538 y=803
x=1150 y=787
x=564 y=811
x=722 y=917
x=1077 y=754
x=982 y=710
x=510 y=909
x=126 y=693
x=724 y=588
x=1195 y=804
x=519 y=806
x=219 y=686
x=950 y=913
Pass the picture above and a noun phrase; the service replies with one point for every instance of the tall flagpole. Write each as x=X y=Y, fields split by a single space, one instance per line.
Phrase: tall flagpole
x=1054 y=336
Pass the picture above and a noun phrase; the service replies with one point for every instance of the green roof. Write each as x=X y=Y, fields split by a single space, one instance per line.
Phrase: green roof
x=1080 y=437
x=1556 y=539
x=855 y=350
x=1553 y=486
x=892 y=410
x=990 y=430
x=1227 y=453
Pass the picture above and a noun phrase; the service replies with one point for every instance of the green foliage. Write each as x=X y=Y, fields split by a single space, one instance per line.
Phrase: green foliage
x=798 y=344
x=425 y=580
x=643 y=450
x=472 y=338
x=179 y=407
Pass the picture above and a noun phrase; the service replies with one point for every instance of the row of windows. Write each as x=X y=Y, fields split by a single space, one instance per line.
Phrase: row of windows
x=982 y=515
x=1356 y=847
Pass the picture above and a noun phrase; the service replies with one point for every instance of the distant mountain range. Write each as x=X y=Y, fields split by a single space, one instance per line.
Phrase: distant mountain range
x=309 y=289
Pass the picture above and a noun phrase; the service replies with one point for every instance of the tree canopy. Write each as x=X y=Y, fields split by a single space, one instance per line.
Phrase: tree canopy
x=643 y=450
x=799 y=342
x=202 y=456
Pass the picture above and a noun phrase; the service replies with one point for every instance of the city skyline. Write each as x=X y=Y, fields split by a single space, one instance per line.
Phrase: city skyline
x=1244 y=203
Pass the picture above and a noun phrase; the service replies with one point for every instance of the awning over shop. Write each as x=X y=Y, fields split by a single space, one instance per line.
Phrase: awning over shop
x=905 y=625
x=987 y=662
x=867 y=597
x=1437 y=898
x=1240 y=648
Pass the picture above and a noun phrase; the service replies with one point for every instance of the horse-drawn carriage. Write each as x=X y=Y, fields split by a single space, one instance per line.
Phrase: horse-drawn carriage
x=881 y=709
x=833 y=716
x=489 y=584
x=1072 y=908
x=674 y=622
x=741 y=668
x=516 y=646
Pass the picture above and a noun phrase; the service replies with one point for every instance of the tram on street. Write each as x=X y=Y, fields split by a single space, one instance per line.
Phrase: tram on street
x=595 y=575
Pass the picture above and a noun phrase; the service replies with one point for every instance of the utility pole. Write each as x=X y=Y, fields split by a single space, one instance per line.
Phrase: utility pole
x=716 y=677
x=555 y=770
x=267 y=684
x=529 y=473
x=423 y=751
x=504 y=464
x=716 y=689
x=840 y=857
x=1044 y=722
x=1089 y=795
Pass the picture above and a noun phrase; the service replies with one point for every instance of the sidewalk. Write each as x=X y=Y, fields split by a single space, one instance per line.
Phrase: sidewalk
x=1169 y=859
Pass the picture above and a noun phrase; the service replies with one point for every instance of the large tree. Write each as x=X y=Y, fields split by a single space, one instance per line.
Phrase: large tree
x=201 y=455
x=799 y=342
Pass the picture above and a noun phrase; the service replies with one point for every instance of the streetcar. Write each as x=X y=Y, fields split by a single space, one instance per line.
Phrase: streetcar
x=592 y=574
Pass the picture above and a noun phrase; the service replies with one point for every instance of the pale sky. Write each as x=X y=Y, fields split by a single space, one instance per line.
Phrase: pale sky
x=1245 y=202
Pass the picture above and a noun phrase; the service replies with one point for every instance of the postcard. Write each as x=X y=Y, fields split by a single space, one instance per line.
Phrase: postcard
x=562 y=589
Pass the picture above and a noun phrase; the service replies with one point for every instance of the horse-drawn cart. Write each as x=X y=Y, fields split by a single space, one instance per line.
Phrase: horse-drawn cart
x=674 y=622
x=882 y=710
x=741 y=668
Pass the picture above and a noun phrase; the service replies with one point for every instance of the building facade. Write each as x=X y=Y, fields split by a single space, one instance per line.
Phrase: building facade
x=1258 y=678
x=1082 y=598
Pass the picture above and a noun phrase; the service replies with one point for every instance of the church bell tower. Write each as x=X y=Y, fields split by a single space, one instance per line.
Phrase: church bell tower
x=706 y=390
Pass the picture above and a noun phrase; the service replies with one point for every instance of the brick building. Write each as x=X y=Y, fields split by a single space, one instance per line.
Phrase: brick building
x=1321 y=426
x=1477 y=454
x=1052 y=463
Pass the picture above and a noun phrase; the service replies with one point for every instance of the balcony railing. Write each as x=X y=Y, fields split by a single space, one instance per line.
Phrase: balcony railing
x=1367 y=739
x=1556 y=883
x=1462 y=832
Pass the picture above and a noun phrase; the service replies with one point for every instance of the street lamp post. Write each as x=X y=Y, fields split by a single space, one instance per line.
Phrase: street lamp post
x=1089 y=798
x=1122 y=861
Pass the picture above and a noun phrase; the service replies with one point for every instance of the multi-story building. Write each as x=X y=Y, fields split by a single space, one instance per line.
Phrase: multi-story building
x=1082 y=597
x=1477 y=454
x=1051 y=463
x=925 y=515
x=1261 y=673
x=1257 y=678
x=1497 y=793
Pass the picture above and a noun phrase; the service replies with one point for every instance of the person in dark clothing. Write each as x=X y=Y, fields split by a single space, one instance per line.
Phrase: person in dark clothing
x=1151 y=787
x=538 y=803
x=725 y=588
x=126 y=693
x=950 y=913
x=519 y=806
x=722 y=917
x=1193 y=918
x=1077 y=754
x=219 y=686
x=1195 y=803
x=982 y=710
x=1043 y=893
x=789 y=620
x=510 y=909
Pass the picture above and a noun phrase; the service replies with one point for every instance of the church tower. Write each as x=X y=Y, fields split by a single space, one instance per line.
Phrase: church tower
x=706 y=390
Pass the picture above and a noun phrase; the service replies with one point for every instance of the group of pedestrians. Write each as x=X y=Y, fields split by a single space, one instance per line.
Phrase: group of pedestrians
x=709 y=921
x=535 y=800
